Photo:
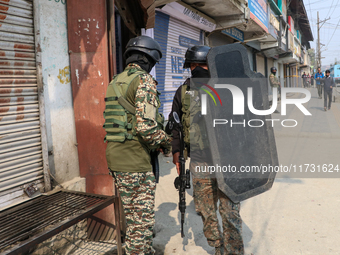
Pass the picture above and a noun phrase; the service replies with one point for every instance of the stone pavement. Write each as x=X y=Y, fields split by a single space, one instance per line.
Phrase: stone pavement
x=299 y=215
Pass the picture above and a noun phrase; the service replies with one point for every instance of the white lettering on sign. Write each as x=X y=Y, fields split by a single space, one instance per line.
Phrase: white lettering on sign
x=198 y=18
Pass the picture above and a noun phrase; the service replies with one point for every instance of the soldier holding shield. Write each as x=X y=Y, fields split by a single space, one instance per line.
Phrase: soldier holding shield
x=186 y=104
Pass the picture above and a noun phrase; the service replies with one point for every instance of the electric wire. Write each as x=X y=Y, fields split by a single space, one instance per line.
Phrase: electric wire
x=329 y=26
x=322 y=8
x=334 y=8
x=330 y=8
x=333 y=34
x=315 y=2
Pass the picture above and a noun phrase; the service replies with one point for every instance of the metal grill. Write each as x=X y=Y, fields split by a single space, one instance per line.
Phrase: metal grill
x=30 y=223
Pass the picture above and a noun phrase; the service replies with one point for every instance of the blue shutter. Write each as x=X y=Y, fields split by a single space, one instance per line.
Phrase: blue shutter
x=161 y=36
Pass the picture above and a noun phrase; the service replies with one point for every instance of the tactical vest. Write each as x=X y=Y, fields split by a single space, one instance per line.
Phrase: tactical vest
x=194 y=134
x=119 y=114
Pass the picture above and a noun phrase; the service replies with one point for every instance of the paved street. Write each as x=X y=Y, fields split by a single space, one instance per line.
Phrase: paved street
x=299 y=215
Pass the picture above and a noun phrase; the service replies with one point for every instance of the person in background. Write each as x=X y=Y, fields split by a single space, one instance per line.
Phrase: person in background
x=318 y=79
x=274 y=82
x=304 y=79
x=328 y=89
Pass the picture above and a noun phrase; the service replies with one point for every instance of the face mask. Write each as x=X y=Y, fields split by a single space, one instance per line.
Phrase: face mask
x=200 y=72
x=144 y=62
x=146 y=66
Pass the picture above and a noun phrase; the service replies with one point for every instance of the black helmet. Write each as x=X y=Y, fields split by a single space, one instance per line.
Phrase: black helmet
x=196 y=54
x=144 y=44
x=272 y=69
x=327 y=71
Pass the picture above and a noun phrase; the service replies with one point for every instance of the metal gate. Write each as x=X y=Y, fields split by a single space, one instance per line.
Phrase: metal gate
x=20 y=135
x=175 y=37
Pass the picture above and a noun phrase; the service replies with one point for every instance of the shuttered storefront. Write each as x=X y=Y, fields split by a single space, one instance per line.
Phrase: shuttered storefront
x=270 y=64
x=175 y=37
x=20 y=136
x=260 y=64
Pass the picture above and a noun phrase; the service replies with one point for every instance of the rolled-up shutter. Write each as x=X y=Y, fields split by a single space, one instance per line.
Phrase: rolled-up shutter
x=20 y=135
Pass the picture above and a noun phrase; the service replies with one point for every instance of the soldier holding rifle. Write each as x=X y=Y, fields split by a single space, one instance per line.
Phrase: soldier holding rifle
x=186 y=105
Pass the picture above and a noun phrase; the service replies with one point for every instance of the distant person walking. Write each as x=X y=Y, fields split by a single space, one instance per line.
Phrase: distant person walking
x=328 y=90
x=304 y=79
x=318 y=77
x=308 y=80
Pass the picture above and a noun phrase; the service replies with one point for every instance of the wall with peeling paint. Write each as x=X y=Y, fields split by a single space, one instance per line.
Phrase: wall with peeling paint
x=61 y=135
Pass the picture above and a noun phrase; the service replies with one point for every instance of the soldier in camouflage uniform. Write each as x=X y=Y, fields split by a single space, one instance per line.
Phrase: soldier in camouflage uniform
x=206 y=191
x=134 y=128
x=274 y=82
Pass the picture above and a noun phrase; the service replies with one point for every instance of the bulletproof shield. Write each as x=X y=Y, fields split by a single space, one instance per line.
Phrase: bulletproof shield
x=240 y=145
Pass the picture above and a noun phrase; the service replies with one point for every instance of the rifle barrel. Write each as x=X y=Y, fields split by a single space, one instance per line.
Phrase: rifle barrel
x=182 y=223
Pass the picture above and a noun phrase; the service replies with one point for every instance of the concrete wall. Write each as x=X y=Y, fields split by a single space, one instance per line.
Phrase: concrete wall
x=270 y=64
x=281 y=73
x=218 y=39
x=61 y=136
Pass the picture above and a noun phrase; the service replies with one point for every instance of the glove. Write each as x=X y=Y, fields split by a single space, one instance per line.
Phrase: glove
x=166 y=148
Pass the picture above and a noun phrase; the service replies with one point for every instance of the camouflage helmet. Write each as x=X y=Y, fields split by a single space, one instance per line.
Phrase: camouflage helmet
x=196 y=54
x=146 y=45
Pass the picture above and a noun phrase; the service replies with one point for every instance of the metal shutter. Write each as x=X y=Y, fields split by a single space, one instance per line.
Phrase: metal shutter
x=161 y=36
x=20 y=135
x=169 y=72
x=260 y=64
x=270 y=64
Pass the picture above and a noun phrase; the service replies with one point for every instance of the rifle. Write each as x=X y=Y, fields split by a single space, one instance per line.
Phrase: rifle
x=155 y=164
x=182 y=182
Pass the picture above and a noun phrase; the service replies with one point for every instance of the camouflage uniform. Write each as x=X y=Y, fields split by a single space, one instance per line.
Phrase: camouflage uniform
x=186 y=104
x=274 y=81
x=205 y=189
x=130 y=165
x=207 y=194
x=137 y=191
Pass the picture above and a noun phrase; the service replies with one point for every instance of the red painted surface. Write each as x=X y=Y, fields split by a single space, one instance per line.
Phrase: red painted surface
x=5 y=100
x=4 y=9
x=23 y=46
x=291 y=24
x=88 y=45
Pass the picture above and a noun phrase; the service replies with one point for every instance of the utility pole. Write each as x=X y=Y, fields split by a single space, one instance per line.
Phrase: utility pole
x=318 y=47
